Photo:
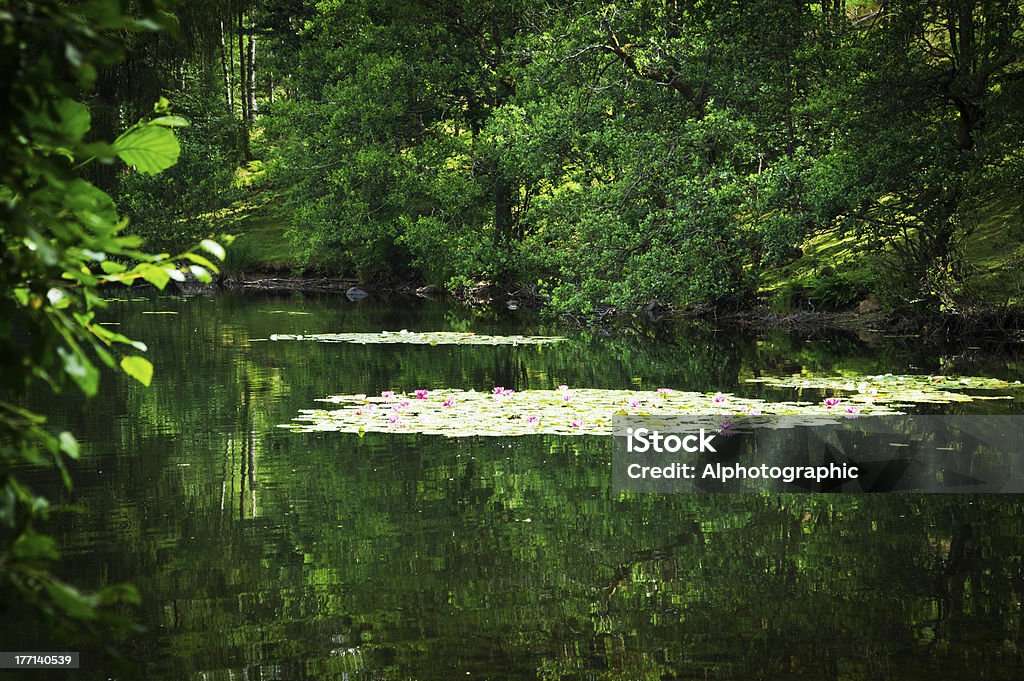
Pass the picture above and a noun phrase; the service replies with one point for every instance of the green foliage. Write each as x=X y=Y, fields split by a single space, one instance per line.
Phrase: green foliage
x=62 y=240
x=626 y=160
x=618 y=154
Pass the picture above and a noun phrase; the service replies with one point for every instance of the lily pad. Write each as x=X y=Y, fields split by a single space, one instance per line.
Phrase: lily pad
x=502 y=412
x=897 y=388
x=418 y=338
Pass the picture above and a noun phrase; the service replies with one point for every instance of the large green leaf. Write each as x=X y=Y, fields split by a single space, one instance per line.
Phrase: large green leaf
x=150 y=148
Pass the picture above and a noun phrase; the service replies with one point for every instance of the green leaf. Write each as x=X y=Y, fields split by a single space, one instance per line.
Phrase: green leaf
x=34 y=546
x=139 y=368
x=171 y=122
x=150 y=148
x=120 y=593
x=200 y=273
x=69 y=445
x=213 y=248
x=92 y=206
x=157 y=276
x=70 y=600
x=81 y=370
x=74 y=119
x=201 y=261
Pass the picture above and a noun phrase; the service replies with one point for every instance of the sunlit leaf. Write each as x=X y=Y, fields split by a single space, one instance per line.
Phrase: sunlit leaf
x=139 y=368
x=68 y=444
x=213 y=248
x=170 y=121
x=150 y=148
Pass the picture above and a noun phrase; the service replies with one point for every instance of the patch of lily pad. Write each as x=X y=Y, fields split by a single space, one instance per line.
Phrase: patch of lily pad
x=589 y=411
x=565 y=411
x=897 y=388
x=418 y=338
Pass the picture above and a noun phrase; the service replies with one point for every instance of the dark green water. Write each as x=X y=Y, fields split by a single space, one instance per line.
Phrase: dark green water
x=267 y=554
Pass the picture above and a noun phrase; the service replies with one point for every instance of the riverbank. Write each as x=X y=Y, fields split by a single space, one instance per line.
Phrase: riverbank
x=1004 y=326
x=833 y=281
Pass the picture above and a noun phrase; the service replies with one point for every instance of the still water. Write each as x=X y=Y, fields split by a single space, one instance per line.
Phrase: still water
x=265 y=554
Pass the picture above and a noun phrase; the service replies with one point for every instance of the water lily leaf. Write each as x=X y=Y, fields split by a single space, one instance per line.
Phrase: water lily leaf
x=894 y=388
x=500 y=412
x=588 y=411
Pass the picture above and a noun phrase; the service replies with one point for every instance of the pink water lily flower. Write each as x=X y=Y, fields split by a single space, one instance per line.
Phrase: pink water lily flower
x=532 y=419
x=421 y=393
x=753 y=412
x=853 y=411
x=832 y=402
x=664 y=391
x=370 y=407
x=634 y=404
x=387 y=394
x=394 y=418
x=718 y=399
x=498 y=390
x=576 y=423
x=567 y=397
x=360 y=396
x=563 y=387
x=450 y=402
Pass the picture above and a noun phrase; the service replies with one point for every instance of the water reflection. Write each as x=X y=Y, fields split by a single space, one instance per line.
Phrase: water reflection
x=266 y=554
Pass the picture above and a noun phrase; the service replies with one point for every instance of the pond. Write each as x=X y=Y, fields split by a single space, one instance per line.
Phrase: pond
x=269 y=552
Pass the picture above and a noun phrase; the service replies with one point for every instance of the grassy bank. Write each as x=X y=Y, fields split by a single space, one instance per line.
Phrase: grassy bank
x=841 y=270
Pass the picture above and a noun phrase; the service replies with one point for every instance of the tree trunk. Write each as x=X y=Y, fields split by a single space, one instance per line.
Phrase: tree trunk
x=243 y=84
x=243 y=80
x=226 y=68
x=251 y=71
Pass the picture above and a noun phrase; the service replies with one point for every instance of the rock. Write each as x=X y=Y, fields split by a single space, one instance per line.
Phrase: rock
x=655 y=309
x=428 y=291
x=355 y=293
x=869 y=304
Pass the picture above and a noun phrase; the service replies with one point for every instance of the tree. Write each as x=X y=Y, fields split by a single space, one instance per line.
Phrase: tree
x=929 y=130
x=62 y=240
